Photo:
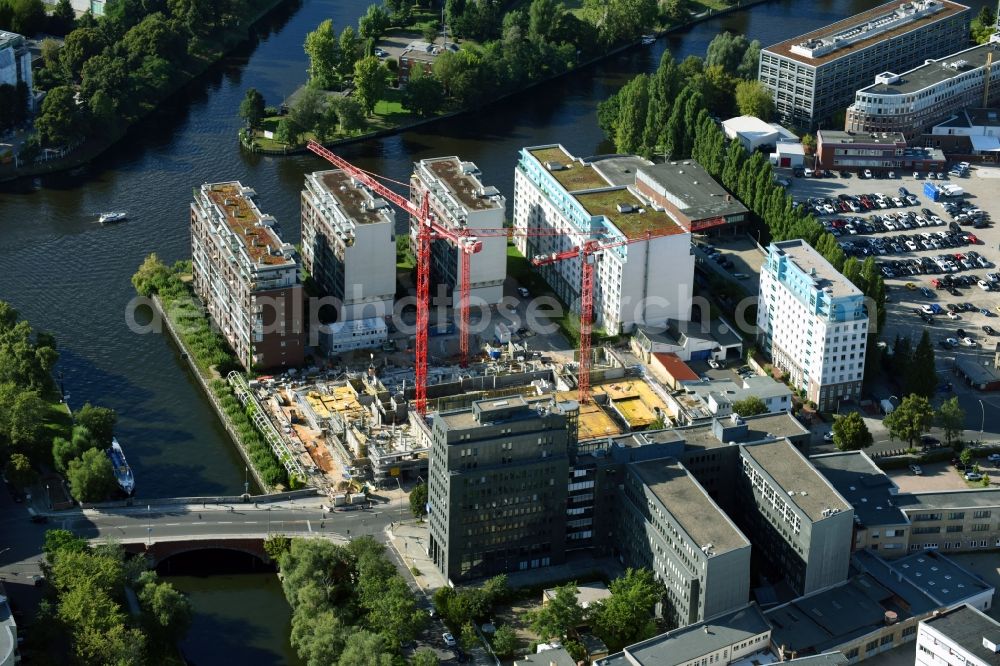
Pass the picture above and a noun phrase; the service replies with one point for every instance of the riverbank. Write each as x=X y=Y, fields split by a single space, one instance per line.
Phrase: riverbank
x=249 y=144
x=94 y=147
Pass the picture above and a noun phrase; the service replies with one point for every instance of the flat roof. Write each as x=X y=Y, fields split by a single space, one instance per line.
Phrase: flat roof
x=759 y=428
x=358 y=203
x=804 y=486
x=869 y=490
x=972 y=498
x=641 y=219
x=808 y=260
x=935 y=71
x=785 y=48
x=586 y=593
x=693 y=190
x=619 y=170
x=553 y=657
x=977 y=371
x=696 y=640
x=939 y=577
x=967 y=626
x=460 y=178
x=700 y=517
x=246 y=221
x=571 y=173
x=866 y=138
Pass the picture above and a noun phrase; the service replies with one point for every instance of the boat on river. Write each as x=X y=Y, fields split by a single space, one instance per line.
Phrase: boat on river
x=111 y=217
x=123 y=473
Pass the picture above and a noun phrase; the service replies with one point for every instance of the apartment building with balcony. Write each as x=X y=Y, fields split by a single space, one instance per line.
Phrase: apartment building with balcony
x=562 y=202
x=963 y=636
x=913 y=101
x=349 y=244
x=460 y=201
x=670 y=525
x=247 y=277
x=814 y=76
x=801 y=525
x=812 y=322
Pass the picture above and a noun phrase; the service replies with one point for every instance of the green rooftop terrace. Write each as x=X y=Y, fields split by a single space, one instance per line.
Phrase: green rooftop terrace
x=634 y=224
x=575 y=176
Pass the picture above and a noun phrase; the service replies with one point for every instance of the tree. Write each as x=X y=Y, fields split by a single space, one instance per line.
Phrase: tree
x=252 y=108
x=167 y=612
x=631 y=121
x=965 y=457
x=921 y=376
x=423 y=94
x=62 y=541
x=318 y=637
x=60 y=119
x=950 y=418
x=468 y=638
x=27 y=16
x=369 y=82
x=364 y=648
x=349 y=113
x=26 y=421
x=277 y=545
x=152 y=276
x=350 y=49
x=307 y=109
x=751 y=406
x=63 y=18
x=323 y=50
x=394 y=611
x=809 y=143
x=726 y=49
x=19 y=471
x=505 y=641
x=912 y=418
x=543 y=17
x=753 y=99
x=496 y=589
x=557 y=616
x=418 y=500
x=676 y=11
x=374 y=23
x=626 y=616
x=99 y=422
x=425 y=657
x=288 y=132
x=751 y=62
x=91 y=477
x=850 y=433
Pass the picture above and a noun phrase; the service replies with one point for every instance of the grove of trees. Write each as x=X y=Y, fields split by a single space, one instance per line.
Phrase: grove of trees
x=89 y=608
x=349 y=603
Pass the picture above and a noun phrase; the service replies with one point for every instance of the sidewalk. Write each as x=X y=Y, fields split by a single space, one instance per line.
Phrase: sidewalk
x=410 y=540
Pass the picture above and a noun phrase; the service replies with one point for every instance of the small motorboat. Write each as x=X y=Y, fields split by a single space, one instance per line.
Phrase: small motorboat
x=112 y=217
x=648 y=39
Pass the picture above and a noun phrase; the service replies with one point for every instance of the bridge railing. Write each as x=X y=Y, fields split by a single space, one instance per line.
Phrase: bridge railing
x=215 y=499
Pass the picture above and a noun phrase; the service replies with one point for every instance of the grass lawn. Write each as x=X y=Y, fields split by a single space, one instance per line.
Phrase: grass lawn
x=58 y=420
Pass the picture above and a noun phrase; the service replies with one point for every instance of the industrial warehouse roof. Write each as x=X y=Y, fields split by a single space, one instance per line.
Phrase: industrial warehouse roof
x=967 y=627
x=935 y=71
x=869 y=490
x=938 y=577
x=804 y=486
x=692 y=190
x=857 y=21
x=812 y=263
x=701 y=518
x=696 y=640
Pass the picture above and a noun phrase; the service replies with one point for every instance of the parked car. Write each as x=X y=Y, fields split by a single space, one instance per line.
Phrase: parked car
x=916 y=470
x=973 y=476
x=449 y=640
x=712 y=363
x=523 y=293
x=993 y=457
x=867 y=173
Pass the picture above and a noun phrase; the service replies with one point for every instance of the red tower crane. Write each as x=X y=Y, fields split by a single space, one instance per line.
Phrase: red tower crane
x=428 y=229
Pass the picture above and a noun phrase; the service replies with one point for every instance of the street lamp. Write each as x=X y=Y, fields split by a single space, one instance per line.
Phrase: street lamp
x=982 y=423
x=398 y=485
x=246 y=481
x=48 y=496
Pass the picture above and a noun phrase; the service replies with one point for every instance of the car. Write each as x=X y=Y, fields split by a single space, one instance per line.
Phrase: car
x=911 y=286
x=926 y=292
x=867 y=173
x=973 y=476
x=932 y=175
x=380 y=53
x=993 y=457
x=712 y=363
x=952 y=315
x=741 y=276
x=926 y=309
x=984 y=285
x=989 y=330
x=916 y=470
x=523 y=293
x=916 y=175
x=808 y=173
x=968 y=342
x=892 y=174
x=449 y=640
x=951 y=342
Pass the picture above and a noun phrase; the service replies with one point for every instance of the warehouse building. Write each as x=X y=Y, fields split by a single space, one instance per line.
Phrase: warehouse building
x=814 y=76
x=647 y=277
x=460 y=201
x=912 y=102
x=812 y=323
x=349 y=245
x=247 y=277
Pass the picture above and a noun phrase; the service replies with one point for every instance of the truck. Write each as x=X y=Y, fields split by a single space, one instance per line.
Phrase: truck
x=502 y=334
x=932 y=192
x=887 y=406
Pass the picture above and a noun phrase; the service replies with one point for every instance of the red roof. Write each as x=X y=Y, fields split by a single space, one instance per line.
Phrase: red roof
x=677 y=368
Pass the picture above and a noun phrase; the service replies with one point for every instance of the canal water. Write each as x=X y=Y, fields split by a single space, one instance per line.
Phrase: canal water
x=69 y=275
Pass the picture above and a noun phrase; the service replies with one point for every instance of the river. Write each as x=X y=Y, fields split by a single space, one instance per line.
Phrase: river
x=69 y=275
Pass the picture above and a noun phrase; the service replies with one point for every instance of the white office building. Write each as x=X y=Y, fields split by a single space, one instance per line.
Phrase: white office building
x=648 y=279
x=813 y=323
x=349 y=244
x=963 y=636
x=15 y=61
x=460 y=201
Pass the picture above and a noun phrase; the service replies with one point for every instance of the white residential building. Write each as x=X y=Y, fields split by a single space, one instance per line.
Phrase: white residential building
x=813 y=323
x=349 y=244
x=963 y=636
x=647 y=281
x=15 y=61
x=459 y=200
x=353 y=334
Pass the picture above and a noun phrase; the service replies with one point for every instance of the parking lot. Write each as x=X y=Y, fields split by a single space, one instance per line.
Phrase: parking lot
x=937 y=265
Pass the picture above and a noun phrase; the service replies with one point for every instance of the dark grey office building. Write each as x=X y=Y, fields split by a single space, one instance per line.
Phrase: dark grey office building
x=814 y=76
x=497 y=487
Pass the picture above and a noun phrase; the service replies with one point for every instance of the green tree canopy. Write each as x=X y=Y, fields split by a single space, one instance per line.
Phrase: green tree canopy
x=626 y=616
x=19 y=471
x=370 y=77
x=365 y=648
x=91 y=477
x=323 y=50
x=418 y=500
x=559 y=615
x=750 y=406
x=921 y=375
x=912 y=418
x=61 y=121
x=753 y=99
x=252 y=108
x=950 y=418
x=424 y=94
x=850 y=433
x=99 y=422
x=374 y=23
x=166 y=612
